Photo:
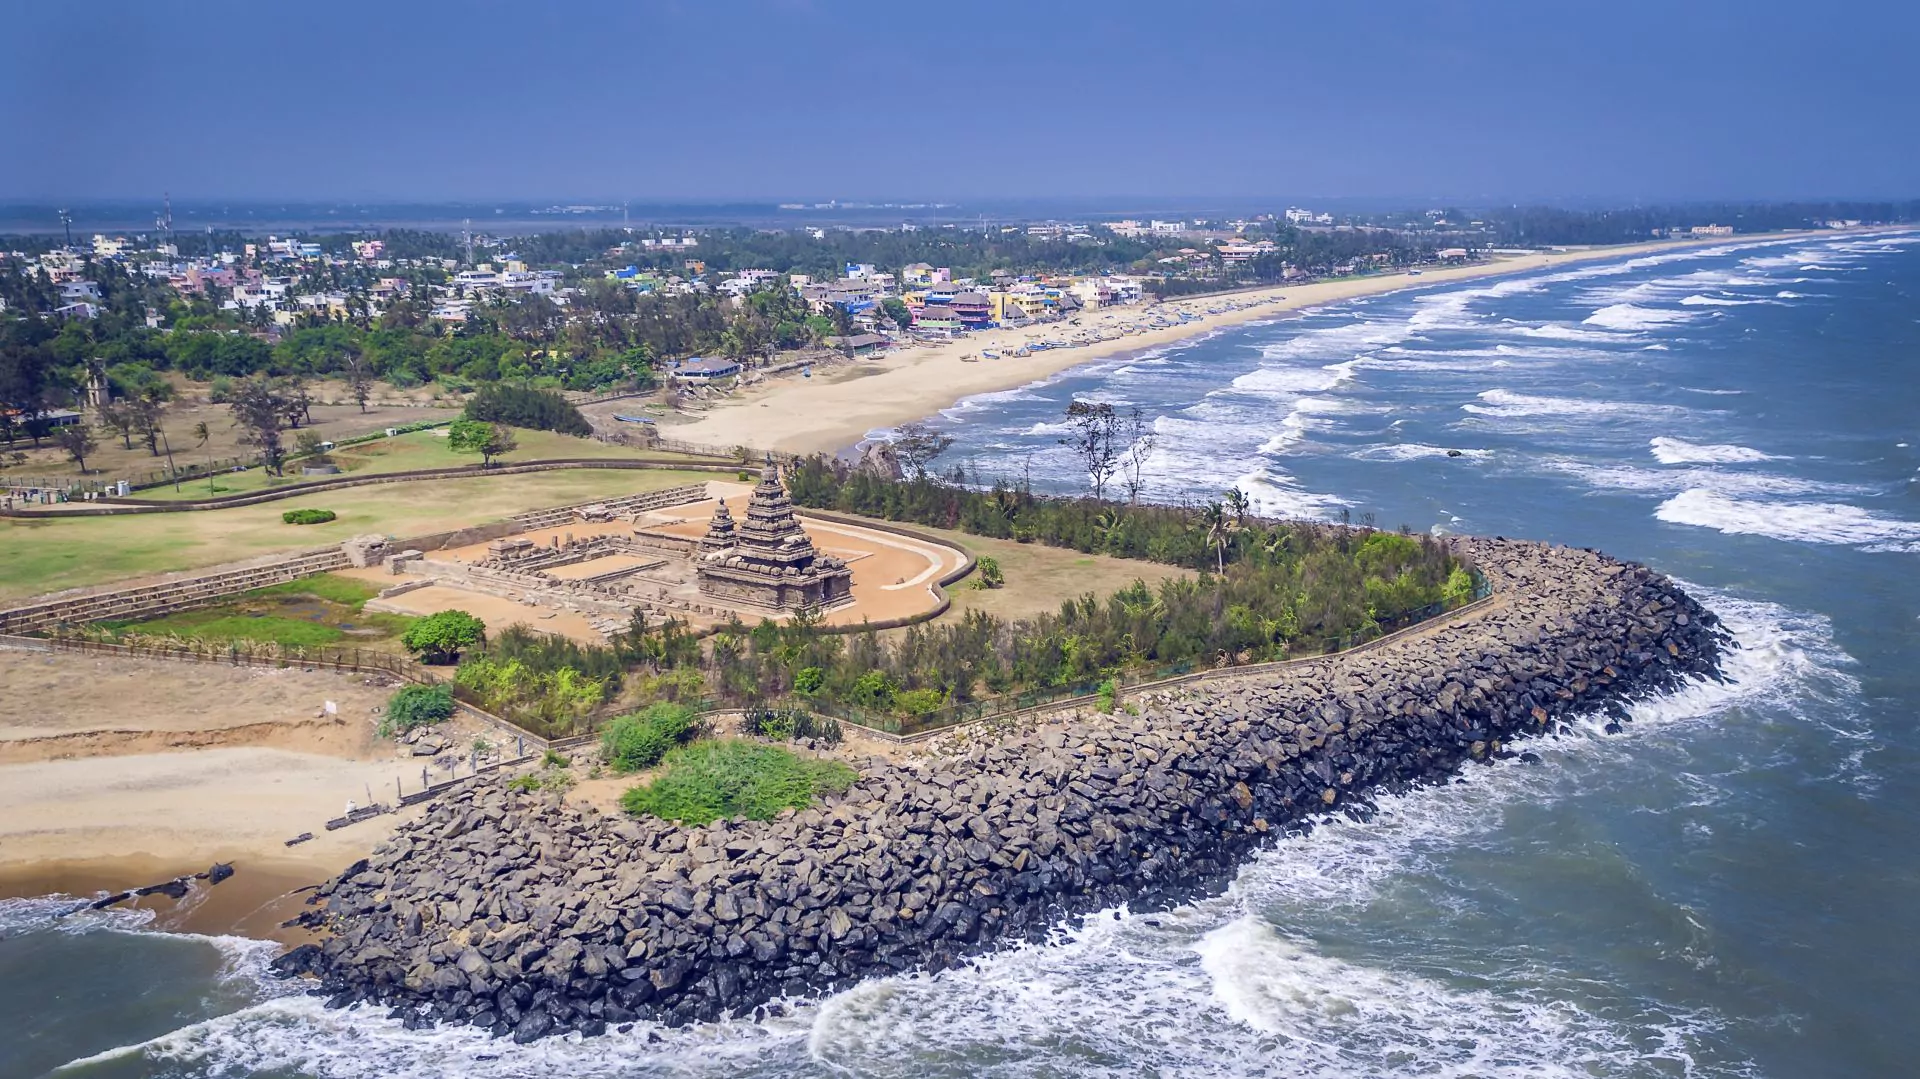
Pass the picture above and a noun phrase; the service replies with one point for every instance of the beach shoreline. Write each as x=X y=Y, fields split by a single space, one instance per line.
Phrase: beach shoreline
x=837 y=410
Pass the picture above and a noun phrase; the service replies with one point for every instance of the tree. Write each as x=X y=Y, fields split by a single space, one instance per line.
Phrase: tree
x=440 y=638
x=489 y=440
x=359 y=379
x=146 y=419
x=119 y=415
x=1218 y=524
x=897 y=310
x=1238 y=505
x=1141 y=440
x=916 y=445
x=78 y=442
x=261 y=412
x=1095 y=434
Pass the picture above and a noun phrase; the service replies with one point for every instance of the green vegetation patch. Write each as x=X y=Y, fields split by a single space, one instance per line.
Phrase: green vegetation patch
x=640 y=740
x=331 y=587
x=308 y=517
x=307 y=613
x=222 y=624
x=709 y=780
x=416 y=706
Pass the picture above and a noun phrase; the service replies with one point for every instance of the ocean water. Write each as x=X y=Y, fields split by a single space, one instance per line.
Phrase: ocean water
x=1726 y=889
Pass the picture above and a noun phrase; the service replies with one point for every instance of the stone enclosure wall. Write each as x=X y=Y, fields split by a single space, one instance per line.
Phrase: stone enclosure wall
x=150 y=601
x=525 y=917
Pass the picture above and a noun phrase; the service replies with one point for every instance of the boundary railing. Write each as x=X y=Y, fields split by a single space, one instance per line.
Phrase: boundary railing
x=911 y=729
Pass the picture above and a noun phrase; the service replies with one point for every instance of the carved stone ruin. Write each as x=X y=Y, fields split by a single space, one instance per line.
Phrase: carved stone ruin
x=766 y=561
x=364 y=551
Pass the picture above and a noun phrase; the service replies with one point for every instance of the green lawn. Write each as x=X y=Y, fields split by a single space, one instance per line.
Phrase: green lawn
x=402 y=453
x=307 y=613
x=45 y=554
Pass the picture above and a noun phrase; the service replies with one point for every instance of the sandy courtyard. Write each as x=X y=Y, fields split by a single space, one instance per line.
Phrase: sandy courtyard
x=893 y=576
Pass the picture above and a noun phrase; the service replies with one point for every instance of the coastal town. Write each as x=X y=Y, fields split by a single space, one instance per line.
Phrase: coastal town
x=794 y=540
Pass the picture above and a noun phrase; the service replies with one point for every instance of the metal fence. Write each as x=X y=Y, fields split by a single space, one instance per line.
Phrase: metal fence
x=1088 y=690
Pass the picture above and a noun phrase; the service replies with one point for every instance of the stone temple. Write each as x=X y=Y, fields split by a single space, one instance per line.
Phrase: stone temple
x=766 y=560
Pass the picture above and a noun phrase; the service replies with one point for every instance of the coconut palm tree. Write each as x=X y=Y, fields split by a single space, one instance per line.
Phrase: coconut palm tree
x=1237 y=504
x=1218 y=526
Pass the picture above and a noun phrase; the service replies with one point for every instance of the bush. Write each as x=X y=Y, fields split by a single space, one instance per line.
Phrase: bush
x=990 y=575
x=307 y=517
x=537 y=410
x=638 y=741
x=440 y=638
x=790 y=724
x=416 y=706
x=706 y=781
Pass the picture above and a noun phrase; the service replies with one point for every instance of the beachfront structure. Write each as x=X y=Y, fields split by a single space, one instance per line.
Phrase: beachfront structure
x=1241 y=250
x=973 y=310
x=766 y=561
x=705 y=369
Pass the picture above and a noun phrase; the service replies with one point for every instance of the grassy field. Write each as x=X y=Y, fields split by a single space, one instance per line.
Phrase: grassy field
x=402 y=453
x=113 y=460
x=1040 y=578
x=48 y=554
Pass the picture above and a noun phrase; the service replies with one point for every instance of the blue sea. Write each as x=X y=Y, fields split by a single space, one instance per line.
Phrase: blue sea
x=1729 y=888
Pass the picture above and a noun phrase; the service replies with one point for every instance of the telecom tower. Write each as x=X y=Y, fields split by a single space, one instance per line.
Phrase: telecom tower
x=66 y=222
x=165 y=221
x=466 y=227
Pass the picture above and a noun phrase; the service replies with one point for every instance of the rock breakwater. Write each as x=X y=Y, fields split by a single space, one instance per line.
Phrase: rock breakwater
x=528 y=918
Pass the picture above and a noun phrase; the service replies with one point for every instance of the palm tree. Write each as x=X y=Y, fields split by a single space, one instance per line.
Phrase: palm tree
x=1238 y=504
x=202 y=436
x=1218 y=526
x=1107 y=529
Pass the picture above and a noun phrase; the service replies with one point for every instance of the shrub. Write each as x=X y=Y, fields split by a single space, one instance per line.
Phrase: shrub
x=919 y=702
x=307 y=517
x=440 y=638
x=990 y=575
x=1109 y=693
x=707 y=781
x=638 y=741
x=537 y=410
x=416 y=706
x=790 y=724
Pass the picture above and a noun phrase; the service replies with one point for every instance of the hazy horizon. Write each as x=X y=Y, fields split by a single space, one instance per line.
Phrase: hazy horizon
x=675 y=102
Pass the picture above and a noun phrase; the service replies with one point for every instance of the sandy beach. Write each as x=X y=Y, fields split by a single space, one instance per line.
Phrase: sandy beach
x=837 y=408
x=120 y=773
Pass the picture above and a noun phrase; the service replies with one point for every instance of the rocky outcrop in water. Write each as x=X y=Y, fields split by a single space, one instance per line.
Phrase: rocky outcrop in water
x=528 y=918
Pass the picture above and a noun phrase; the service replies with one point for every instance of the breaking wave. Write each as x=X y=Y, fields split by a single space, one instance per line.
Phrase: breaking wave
x=1798 y=522
x=1674 y=451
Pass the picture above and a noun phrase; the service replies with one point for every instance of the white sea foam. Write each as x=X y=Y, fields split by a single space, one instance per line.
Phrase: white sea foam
x=1509 y=404
x=1798 y=522
x=1674 y=451
x=1272 y=381
x=1718 y=301
x=1558 y=331
x=1413 y=451
x=1631 y=317
x=1740 y=483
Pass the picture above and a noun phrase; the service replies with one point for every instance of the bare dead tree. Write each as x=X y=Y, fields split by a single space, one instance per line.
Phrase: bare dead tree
x=1096 y=430
x=1141 y=439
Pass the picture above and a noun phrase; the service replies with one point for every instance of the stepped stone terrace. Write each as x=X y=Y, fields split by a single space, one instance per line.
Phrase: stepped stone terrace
x=738 y=551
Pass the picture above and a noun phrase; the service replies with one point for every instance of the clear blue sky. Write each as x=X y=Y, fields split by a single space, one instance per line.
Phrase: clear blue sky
x=674 y=99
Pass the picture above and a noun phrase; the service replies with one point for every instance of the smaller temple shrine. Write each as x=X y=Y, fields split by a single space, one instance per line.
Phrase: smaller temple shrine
x=766 y=561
